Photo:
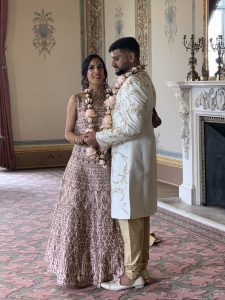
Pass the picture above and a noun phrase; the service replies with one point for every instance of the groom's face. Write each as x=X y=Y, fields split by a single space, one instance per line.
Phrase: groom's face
x=121 y=61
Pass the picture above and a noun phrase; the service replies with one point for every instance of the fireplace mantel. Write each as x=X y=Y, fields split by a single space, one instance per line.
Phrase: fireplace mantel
x=196 y=99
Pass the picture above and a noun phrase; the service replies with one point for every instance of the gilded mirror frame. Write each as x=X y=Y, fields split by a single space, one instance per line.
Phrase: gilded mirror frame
x=205 y=67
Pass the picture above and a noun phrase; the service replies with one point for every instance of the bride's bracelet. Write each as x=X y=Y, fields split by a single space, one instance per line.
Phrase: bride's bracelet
x=78 y=140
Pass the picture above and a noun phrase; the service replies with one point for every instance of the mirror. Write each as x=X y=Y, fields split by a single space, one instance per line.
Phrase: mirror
x=214 y=25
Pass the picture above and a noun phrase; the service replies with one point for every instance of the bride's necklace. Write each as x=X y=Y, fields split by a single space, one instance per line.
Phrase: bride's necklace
x=110 y=102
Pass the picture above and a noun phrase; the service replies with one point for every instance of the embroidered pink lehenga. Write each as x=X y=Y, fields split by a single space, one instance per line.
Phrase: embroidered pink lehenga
x=85 y=246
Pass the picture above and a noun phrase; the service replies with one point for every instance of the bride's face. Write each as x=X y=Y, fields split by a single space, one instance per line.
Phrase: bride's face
x=95 y=74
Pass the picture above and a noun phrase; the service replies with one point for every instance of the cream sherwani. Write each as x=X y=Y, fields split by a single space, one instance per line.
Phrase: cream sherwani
x=133 y=180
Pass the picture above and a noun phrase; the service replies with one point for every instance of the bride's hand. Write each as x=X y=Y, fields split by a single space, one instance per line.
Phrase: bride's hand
x=90 y=139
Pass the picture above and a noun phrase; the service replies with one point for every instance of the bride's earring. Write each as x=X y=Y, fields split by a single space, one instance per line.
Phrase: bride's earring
x=86 y=83
x=105 y=83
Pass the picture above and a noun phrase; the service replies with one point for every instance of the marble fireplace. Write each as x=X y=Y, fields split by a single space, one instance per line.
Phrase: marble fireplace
x=202 y=109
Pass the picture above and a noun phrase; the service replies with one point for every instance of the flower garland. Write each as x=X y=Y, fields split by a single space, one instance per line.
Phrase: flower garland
x=110 y=102
x=90 y=114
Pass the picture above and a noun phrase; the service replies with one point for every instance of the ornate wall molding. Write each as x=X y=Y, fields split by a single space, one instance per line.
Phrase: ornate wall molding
x=184 y=111
x=143 y=30
x=170 y=21
x=93 y=24
x=119 y=24
x=214 y=99
x=94 y=39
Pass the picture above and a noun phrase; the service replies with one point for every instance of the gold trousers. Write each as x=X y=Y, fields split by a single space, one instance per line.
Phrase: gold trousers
x=136 y=234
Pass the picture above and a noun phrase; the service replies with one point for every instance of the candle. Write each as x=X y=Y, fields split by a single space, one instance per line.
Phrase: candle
x=193 y=16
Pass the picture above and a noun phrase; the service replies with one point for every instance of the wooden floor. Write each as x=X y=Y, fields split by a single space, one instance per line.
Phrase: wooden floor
x=165 y=190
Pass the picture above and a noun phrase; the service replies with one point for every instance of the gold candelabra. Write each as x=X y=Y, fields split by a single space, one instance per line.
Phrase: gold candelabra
x=194 y=47
x=219 y=47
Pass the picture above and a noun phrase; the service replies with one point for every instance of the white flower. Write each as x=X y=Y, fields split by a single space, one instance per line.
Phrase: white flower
x=117 y=85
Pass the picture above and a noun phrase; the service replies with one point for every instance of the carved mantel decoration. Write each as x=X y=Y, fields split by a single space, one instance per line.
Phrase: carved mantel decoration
x=211 y=100
x=183 y=99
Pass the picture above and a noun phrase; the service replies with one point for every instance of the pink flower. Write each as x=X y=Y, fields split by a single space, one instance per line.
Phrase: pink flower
x=121 y=79
x=90 y=151
x=107 y=121
x=111 y=101
x=89 y=130
x=90 y=113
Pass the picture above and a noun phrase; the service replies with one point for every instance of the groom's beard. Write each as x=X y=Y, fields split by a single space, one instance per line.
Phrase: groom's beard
x=119 y=72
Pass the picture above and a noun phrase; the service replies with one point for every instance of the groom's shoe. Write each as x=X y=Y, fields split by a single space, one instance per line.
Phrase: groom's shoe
x=115 y=285
x=146 y=276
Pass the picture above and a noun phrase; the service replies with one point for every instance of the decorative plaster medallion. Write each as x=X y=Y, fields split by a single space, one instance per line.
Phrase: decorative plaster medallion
x=211 y=100
x=43 y=40
x=170 y=18
x=184 y=110
x=118 y=22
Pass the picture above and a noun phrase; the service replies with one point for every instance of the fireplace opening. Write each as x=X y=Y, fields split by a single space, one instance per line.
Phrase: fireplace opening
x=213 y=161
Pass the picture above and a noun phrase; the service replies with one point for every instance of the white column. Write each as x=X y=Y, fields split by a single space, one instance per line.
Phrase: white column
x=187 y=190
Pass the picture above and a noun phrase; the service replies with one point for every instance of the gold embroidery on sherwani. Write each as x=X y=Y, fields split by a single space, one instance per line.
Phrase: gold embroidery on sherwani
x=135 y=108
x=119 y=179
x=131 y=116
x=122 y=175
x=123 y=203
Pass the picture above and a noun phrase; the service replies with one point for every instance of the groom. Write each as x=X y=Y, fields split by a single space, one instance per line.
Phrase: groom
x=133 y=178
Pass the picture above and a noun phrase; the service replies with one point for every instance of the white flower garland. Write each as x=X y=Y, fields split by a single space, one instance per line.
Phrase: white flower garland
x=110 y=102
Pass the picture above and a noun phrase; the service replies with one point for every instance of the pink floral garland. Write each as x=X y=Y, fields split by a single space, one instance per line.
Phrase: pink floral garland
x=110 y=102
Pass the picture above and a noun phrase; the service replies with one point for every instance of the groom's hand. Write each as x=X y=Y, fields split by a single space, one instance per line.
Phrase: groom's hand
x=90 y=139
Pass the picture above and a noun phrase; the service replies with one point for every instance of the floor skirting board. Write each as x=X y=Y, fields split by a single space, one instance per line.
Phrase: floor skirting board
x=42 y=156
x=169 y=170
x=57 y=155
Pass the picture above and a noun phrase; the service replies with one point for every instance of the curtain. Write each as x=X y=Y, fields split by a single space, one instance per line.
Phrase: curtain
x=7 y=157
x=212 y=6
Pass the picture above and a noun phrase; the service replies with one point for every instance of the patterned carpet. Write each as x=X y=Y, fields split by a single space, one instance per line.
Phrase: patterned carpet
x=188 y=263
